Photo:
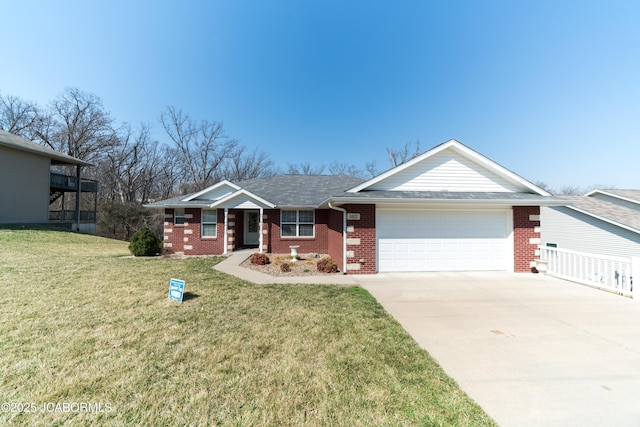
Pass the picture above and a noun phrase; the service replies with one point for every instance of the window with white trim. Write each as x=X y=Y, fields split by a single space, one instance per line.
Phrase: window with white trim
x=297 y=223
x=209 y=223
x=178 y=216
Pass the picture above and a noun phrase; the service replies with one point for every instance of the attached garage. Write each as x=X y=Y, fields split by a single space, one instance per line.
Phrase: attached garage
x=444 y=240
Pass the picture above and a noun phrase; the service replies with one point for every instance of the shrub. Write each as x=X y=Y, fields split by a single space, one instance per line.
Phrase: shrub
x=327 y=265
x=285 y=267
x=144 y=243
x=259 y=259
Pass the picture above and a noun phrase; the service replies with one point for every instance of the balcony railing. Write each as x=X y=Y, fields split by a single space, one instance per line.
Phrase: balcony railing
x=71 y=216
x=61 y=182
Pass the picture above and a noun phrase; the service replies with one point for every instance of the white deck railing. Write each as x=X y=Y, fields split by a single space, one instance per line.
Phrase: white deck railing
x=606 y=272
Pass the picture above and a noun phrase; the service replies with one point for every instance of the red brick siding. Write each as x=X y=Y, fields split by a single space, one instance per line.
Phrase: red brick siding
x=365 y=230
x=523 y=230
x=335 y=239
x=178 y=239
x=280 y=245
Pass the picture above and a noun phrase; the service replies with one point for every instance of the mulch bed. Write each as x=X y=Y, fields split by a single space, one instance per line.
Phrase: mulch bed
x=304 y=266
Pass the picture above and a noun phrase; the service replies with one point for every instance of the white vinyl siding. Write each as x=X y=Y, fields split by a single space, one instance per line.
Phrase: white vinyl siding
x=297 y=223
x=209 y=222
x=579 y=232
x=443 y=240
x=446 y=171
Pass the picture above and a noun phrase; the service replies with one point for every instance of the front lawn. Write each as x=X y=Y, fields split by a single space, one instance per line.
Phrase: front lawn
x=81 y=323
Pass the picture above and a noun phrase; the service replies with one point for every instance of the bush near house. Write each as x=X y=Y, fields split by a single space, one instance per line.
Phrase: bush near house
x=145 y=243
x=259 y=259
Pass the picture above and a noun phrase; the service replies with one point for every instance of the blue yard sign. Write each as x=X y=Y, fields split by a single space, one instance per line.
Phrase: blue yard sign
x=176 y=289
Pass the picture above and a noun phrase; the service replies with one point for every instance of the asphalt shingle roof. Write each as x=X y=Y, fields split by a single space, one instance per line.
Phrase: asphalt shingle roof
x=14 y=141
x=299 y=190
x=629 y=194
x=311 y=191
x=610 y=211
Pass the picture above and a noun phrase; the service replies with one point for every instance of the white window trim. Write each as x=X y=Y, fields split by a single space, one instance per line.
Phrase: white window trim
x=203 y=223
x=297 y=223
x=183 y=216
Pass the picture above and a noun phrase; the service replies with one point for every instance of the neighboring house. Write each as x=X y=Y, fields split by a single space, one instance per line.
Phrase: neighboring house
x=31 y=192
x=449 y=209
x=604 y=222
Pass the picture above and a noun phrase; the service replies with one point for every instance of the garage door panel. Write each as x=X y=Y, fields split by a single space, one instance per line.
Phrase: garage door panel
x=442 y=241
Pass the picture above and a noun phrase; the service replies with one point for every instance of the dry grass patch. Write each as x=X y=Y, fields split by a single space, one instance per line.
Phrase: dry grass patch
x=79 y=322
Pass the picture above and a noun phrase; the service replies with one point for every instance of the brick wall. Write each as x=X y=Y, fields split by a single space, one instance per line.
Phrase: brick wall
x=187 y=238
x=361 y=239
x=526 y=237
x=280 y=245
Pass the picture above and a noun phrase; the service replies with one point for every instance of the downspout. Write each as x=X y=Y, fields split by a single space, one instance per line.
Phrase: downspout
x=344 y=235
x=260 y=237
x=226 y=226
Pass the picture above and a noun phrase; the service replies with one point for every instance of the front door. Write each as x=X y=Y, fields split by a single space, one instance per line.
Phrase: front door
x=251 y=228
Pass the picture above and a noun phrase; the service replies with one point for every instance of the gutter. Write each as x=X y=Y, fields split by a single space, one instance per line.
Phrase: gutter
x=429 y=201
x=344 y=235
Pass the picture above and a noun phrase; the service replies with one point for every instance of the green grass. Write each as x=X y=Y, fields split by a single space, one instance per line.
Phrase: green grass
x=81 y=322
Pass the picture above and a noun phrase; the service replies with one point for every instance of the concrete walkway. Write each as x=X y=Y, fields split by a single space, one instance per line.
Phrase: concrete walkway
x=530 y=349
x=231 y=265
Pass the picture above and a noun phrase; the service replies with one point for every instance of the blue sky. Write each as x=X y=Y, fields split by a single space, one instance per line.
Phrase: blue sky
x=548 y=89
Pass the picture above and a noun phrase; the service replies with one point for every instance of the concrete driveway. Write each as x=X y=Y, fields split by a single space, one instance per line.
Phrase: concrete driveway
x=530 y=349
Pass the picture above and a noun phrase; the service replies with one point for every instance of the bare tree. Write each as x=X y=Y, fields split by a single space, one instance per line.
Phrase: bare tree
x=402 y=155
x=202 y=147
x=133 y=165
x=18 y=116
x=245 y=164
x=304 y=169
x=78 y=125
x=371 y=169
x=341 y=168
x=544 y=186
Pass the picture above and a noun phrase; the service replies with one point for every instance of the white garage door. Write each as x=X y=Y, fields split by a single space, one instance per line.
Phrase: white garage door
x=443 y=241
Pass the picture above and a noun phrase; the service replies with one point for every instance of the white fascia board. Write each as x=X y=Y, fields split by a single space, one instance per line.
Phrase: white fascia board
x=400 y=201
x=465 y=151
x=241 y=193
x=607 y=220
x=213 y=187
x=615 y=196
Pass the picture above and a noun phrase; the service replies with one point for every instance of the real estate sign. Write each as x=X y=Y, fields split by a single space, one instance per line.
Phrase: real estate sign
x=176 y=289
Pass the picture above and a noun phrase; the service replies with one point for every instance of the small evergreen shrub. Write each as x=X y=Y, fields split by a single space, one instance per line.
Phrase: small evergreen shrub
x=145 y=243
x=259 y=259
x=327 y=265
x=285 y=267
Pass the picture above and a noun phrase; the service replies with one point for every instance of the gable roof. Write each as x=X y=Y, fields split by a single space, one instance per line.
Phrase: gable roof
x=57 y=158
x=210 y=193
x=632 y=196
x=282 y=191
x=606 y=211
x=490 y=184
x=447 y=159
